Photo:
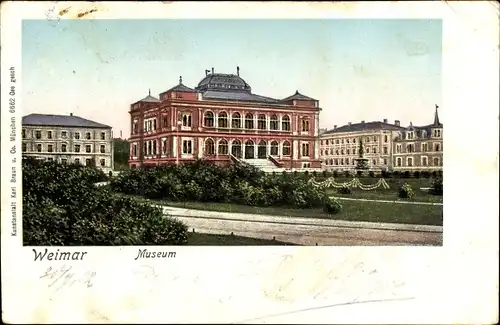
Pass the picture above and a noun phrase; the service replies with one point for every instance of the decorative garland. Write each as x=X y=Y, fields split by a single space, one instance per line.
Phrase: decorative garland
x=353 y=183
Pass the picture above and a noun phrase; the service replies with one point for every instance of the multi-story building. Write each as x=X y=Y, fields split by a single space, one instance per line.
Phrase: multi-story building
x=419 y=147
x=67 y=139
x=386 y=146
x=339 y=147
x=221 y=120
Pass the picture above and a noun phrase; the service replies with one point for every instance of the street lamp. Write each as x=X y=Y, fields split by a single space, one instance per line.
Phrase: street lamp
x=179 y=123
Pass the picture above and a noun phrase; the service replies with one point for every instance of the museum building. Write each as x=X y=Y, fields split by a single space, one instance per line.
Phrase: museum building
x=222 y=121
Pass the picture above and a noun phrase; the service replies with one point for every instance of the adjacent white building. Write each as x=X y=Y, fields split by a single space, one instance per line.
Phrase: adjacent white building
x=67 y=139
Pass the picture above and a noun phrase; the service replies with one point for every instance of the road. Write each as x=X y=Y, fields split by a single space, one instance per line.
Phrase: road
x=315 y=231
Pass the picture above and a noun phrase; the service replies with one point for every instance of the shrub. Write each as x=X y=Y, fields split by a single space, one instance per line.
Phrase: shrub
x=425 y=174
x=434 y=173
x=416 y=174
x=314 y=173
x=437 y=187
x=332 y=206
x=335 y=174
x=61 y=206
x=344 y=190
x=396 y=173
x=346 y=173
x=359 y=173
x=325 y=174
x=371 y=173
x=386 y=174
x=406 y=174
x=405 y=191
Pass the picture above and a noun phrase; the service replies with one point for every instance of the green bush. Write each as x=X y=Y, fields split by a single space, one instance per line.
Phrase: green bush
x=344 y=190
x=406 y=192
x=396 y=173
x=335 y=174
x=406 y=174
x=371 y=173
x=332 y=206
x=62 y=206
x=437 y=187
x=416 y=174
x=347 y=174
x=425 y=174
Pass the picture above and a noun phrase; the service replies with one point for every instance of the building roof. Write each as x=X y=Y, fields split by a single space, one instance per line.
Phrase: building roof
x=61 y=120
x=298 y=96
x=180 y=87
x=367 y=126
x=238 y=96
x=223 y=82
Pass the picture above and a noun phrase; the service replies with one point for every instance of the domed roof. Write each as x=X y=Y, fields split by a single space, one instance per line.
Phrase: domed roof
x=223 y=82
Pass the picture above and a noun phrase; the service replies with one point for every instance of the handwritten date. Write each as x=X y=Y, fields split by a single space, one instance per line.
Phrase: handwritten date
x=59 y=278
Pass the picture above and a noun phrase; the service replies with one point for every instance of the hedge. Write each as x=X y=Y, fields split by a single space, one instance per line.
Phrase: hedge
x=62 y=206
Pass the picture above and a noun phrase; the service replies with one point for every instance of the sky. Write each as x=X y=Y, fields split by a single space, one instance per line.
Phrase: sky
x=365 y=69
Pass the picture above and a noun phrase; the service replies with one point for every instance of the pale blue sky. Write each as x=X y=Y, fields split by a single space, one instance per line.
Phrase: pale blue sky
x=358 y=69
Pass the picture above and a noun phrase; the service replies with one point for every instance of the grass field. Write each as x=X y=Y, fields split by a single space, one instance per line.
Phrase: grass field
x=197 y=239
x=392 y=193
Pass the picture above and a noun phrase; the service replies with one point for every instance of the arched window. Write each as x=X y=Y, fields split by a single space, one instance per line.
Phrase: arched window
x=286 y=148
x=285 y=123
x=186 y=120
x=398 y=162
x=409 y=162
x=249 y=121
x=261 y=122
x=437 y=147
x=262 y=149
x=274 y=148
x=331 y=161
x=374 y=149
x=348 y=151
x=336 y=162
x=223 y=147
x=222 y=120
x=236 y=121
x=273 y=123
x=236 y=148
x=436 y=161
x=209 y=119
x=209 y=147
x=386 y=138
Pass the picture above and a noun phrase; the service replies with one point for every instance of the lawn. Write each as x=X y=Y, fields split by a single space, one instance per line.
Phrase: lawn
x=392 y=193
x=197 y=239
x=352 y=211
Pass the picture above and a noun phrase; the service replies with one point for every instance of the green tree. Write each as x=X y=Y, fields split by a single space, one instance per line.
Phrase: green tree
x=121 y=149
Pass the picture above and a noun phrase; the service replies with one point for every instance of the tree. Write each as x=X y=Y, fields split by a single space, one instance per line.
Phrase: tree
x=121 y=149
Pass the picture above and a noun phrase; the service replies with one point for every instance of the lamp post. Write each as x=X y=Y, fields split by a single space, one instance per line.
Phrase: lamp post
x=179 y=123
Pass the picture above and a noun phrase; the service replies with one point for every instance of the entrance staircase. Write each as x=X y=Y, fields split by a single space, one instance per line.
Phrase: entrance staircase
x=265 y=165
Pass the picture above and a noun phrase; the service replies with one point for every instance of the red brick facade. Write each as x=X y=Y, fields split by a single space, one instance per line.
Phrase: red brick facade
x=187 y=124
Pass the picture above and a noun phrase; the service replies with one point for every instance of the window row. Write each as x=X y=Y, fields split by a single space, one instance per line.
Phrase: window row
x=64 y=148
x=88 y=161
x=423 y=162
x=347 y=162
x=423 y=148
x=249 y=121
x=64 y=134
x=352 y=140
x=352 y=151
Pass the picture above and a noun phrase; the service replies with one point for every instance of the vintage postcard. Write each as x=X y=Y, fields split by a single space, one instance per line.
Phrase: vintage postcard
x=242 y=162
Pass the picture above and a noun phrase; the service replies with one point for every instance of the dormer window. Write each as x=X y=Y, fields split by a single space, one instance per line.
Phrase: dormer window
x=409 y=135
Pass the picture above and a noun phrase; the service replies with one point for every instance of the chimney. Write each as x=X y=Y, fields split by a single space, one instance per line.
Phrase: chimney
x=396 y=123
x=349 y=123
x=335 y=127
x=238 y=71
x=212 y=70
x=385 y=120
x=363 y=122
x=120 y=134
x=70 y=114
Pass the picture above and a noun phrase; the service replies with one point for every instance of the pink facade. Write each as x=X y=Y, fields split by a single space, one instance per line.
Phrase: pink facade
x=222 y=120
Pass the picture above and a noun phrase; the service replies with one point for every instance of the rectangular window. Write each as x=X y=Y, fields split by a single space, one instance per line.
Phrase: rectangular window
x=64 y=134
x=398 y=148
x=63 y=148
x=305 y=126
x=77 y=148
x=187 y=147
x=186 y=120
x=424 y=147
x=305 y=149
x=50 y=148
x=39 y=147
x=385 y=161
x=88 y=162
x=24 y=147
x=424 y=161
x=103 y=148
x=165 y=121
x=102 y=162
x=49 y=134
x=134 y=150
x=24 y=134
x=385 y=150
x=103 y=135
x=88 y=148
x=88 y=136
x=38 y=134
x=77 y=135
x=64 y=161
x=77 y=161
x=154 y=124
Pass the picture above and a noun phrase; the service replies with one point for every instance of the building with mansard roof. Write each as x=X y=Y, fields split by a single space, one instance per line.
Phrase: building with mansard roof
x=223 y=121
x=387 y=146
